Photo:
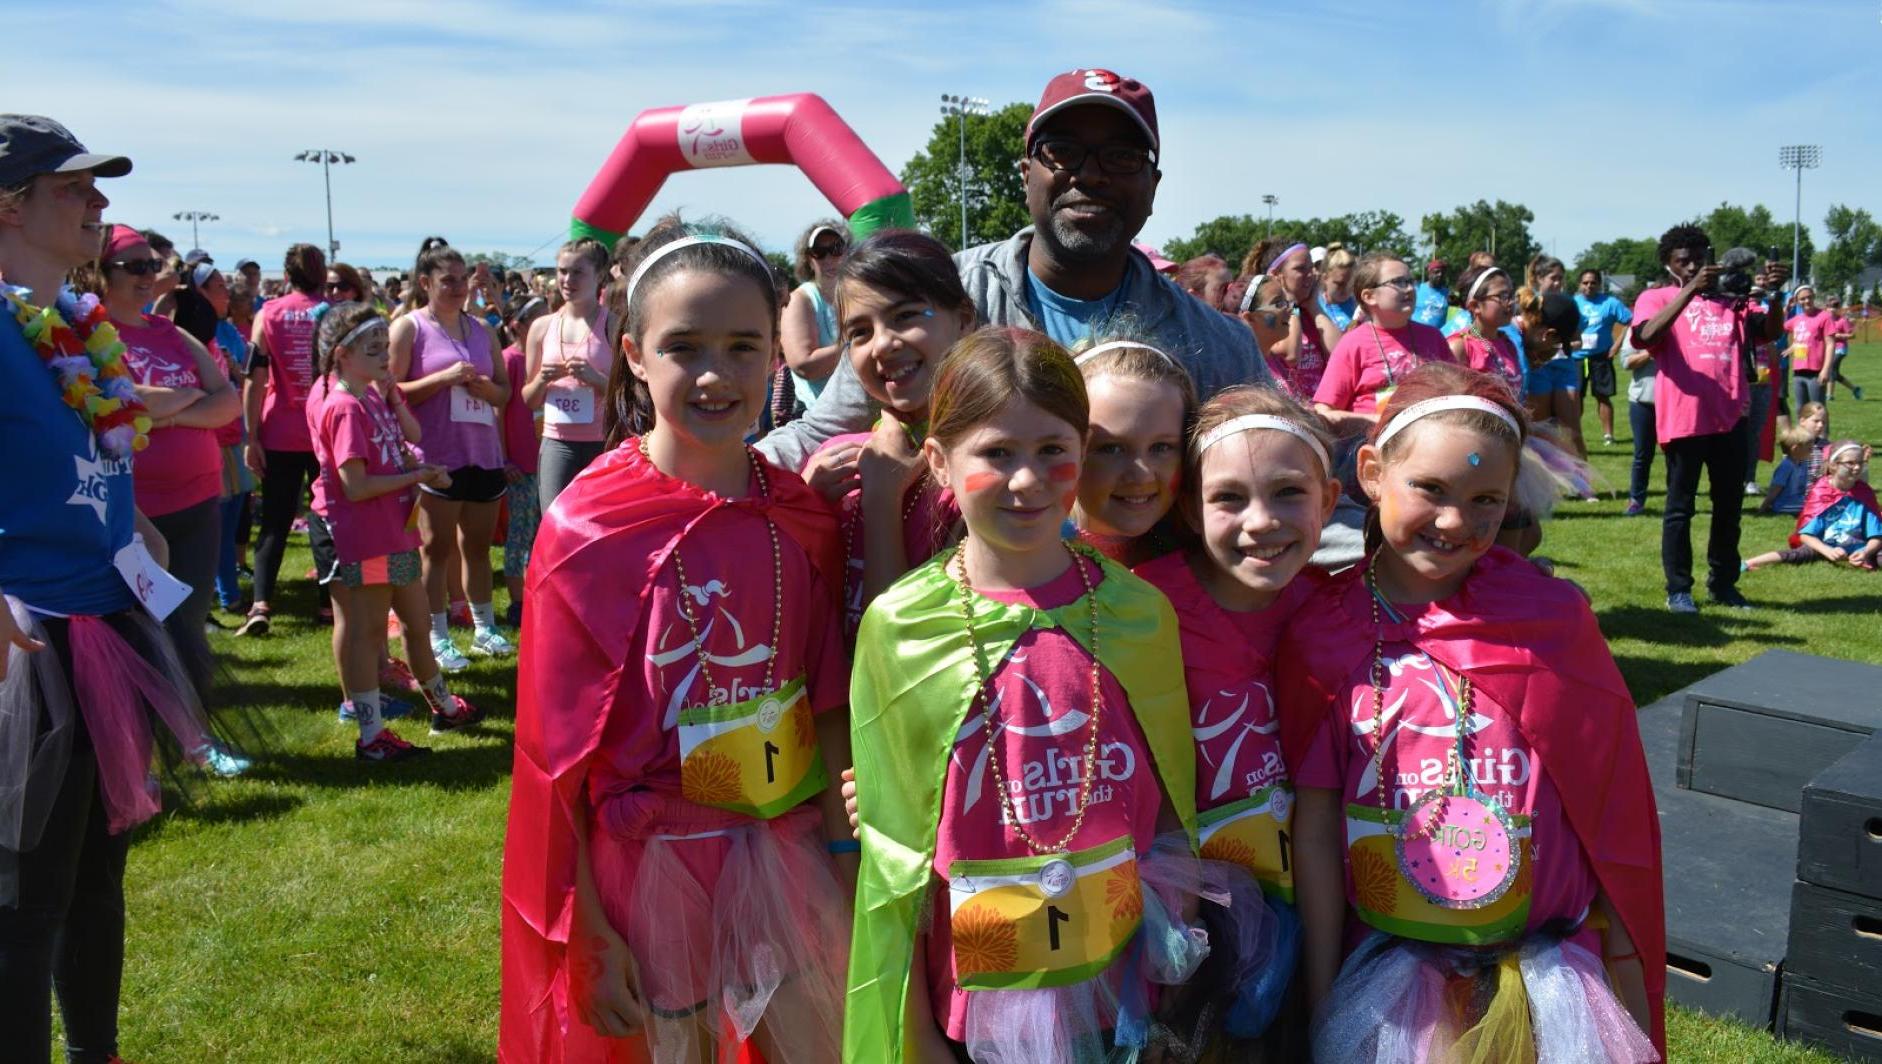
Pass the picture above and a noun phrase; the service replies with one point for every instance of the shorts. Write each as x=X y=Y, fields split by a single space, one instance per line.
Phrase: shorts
x=1599 y=375
x=1555 y=375
x=387 y=570
x=320 y=539
x=472 y=484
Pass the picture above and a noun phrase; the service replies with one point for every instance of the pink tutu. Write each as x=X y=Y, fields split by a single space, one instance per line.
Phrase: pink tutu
x=738 y=927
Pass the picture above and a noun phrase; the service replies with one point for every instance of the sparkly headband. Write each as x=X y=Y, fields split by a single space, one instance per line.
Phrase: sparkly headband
x=687 y=242
x=1285 y=252
x=1118 y=345
x=1438 y=406
x=1478 y=283
x=1248 y=294
x=374 y=322
x=1250 y=422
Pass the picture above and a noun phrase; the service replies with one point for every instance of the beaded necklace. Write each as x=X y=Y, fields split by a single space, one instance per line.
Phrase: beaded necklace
x=1063 y=845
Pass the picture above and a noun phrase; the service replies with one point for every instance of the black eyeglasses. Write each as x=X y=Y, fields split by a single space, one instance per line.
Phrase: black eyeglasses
x=140 y=268
x=827 y=251
x=1403 y=284
x=1066 y=156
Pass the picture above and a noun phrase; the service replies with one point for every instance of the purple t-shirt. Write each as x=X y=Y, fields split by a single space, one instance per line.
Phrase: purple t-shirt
x=456 y=429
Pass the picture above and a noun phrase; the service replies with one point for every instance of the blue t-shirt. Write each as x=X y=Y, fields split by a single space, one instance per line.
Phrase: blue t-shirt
x=66 y=509
x=1847 y=524
x=1063 y=318
x=1792 y=482
x=233 y=344
x=1433 y=303
x=1341 y=313
x=1598 y=318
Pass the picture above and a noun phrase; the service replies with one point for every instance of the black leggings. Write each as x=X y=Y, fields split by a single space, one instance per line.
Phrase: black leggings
x=66 y=933
x=283 y=486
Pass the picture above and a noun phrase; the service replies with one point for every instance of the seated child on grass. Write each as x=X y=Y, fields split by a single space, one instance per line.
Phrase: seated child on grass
x=1790 y=480
x=1840 y=521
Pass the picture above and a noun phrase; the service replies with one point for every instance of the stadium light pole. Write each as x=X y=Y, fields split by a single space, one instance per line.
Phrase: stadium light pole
x=1270 y=199
x=193 y=217
x=326 y=157
x=1799 y=157
x=960 y=107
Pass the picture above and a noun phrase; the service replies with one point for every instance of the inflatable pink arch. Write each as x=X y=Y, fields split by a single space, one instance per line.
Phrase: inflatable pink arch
x=799 y=129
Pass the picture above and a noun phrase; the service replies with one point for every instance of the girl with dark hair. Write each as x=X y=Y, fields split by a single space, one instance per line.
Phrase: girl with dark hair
x=996 y=688
x=1453 y=907
x=900 y=307
x=569 y=362
x=202 y=310
x=345 y=285
x=179 y=476
x=676 y=736
x=450 y=368
x=274 y=402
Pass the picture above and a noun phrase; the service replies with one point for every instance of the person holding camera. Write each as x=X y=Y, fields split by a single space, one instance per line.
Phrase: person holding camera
x=1697 y=329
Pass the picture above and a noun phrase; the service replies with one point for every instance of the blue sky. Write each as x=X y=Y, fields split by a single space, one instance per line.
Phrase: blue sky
x=483 y=120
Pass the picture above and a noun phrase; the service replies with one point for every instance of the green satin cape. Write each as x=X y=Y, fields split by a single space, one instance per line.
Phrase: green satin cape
x=913 y=681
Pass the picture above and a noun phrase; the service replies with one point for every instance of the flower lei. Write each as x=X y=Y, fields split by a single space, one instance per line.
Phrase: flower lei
x=87 y=359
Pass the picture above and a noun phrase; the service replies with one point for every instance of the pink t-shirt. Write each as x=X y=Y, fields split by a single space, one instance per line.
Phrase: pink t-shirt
x=584 y=424
x=927 y=516
x=733 y=599
x=1699 y=387
x=519 y=421
x=1807 y=334
x=1840 y=330
x=360 y=427
x=288 y=324
x=1420 y=706
x=182 y=466
x=1302 y=379
x=1370 y=362
x=456 y=429
x=1045 y=680
x=1496 y=356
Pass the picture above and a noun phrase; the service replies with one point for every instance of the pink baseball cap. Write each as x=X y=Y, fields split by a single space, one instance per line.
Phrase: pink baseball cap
x=1101 y=87
x=1157 y=261
x=121 y=237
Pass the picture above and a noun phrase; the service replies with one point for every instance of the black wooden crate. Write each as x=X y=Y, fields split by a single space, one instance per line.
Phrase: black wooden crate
x=1758 y=732
x=1841 y=842
x=1836 y=939
x=1846 y=1023
x=1727 y=917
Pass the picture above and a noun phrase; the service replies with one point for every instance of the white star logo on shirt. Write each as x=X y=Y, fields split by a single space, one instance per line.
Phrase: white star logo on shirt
x=92 y=490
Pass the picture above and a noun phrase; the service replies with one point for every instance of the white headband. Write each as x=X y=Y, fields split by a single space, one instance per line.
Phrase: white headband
x=1438 y=406
x=1838 y=453
x=361 y=329
x=686 y=242
x=1249 y=422
x=1481 y=278
x=1118 y=345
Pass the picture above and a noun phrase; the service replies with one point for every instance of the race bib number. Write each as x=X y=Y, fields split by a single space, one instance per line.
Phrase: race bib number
x=1591 y=341
x=758 y=757
x=1255 y=833
x=569 y=406
x=468 y=409
x=1385 y=897
x=156 y=590
x=1043 y=921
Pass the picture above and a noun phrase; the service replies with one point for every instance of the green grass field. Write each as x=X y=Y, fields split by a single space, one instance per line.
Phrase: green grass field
x=323 y=910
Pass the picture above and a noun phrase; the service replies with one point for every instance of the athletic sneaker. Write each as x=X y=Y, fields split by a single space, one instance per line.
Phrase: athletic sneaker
x=213 y=758
x=1751 y=487
x=1608 y=438
x=1681 y=602
x=462 y=715
x=396 y=675
x=1729 y=596
x=450 y=659
x=1634 y=509
x=387 y=747
x=389 y=709
x=489 y=643
x=255 y=624
x=1857 y=392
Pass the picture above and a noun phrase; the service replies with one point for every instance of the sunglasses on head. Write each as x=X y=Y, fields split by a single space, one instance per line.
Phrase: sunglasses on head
x=139 y=268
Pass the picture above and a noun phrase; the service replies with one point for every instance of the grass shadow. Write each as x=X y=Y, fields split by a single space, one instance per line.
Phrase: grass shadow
x=207 y=807
x=1651 y=679
x=455 y=768
x=1715 y=626
x=1870 y=603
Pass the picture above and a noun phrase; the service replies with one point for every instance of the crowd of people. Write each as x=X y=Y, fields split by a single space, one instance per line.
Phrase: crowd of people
x=1150 y=657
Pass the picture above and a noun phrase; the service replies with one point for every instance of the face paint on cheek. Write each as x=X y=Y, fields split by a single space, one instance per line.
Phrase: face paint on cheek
x=1063 y=473
x=981 y=483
